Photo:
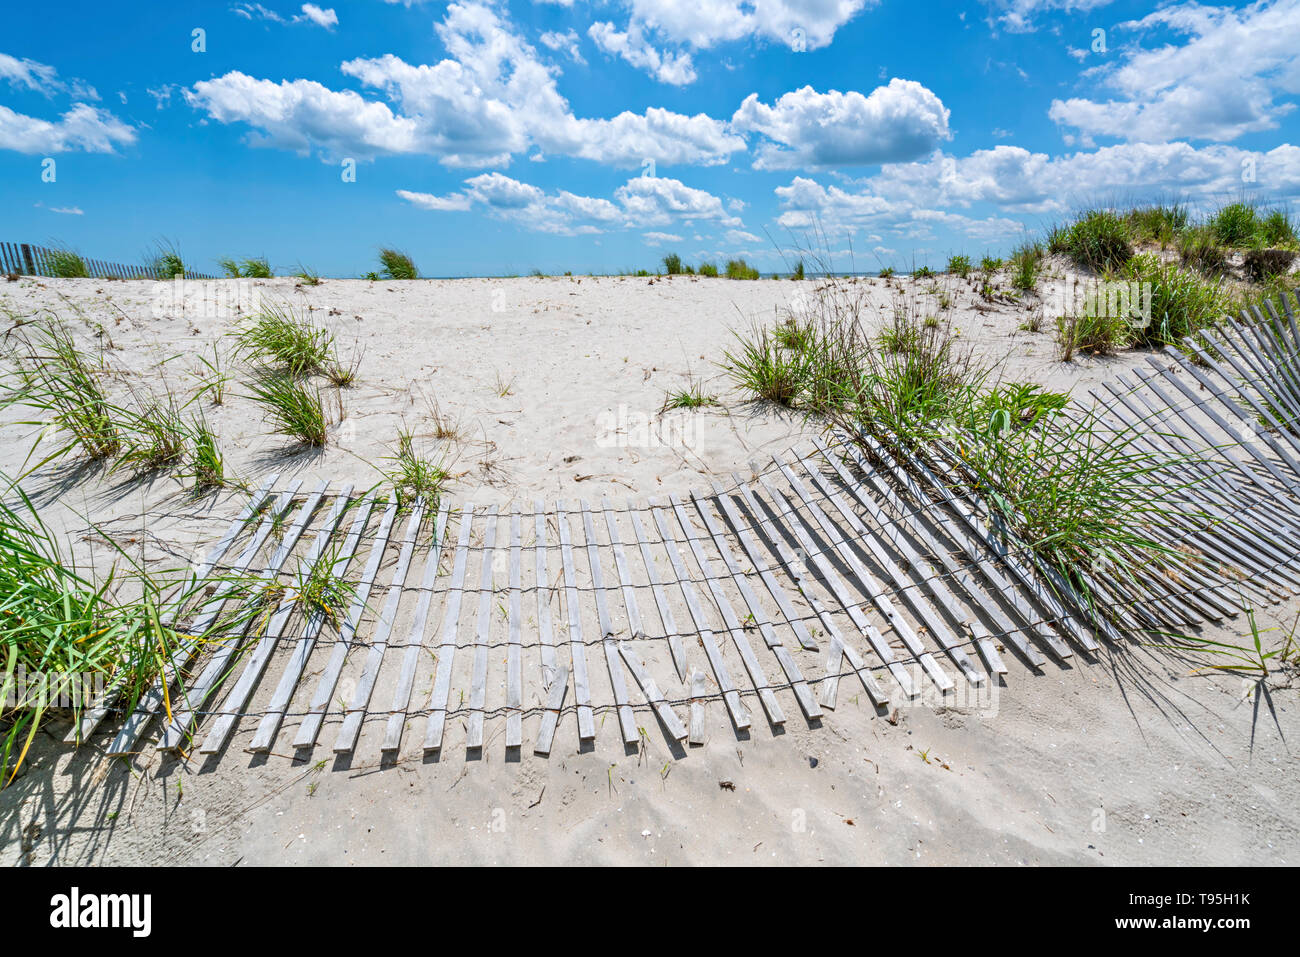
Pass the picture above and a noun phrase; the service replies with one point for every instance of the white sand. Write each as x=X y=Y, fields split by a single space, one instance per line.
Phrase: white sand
x=555 y=386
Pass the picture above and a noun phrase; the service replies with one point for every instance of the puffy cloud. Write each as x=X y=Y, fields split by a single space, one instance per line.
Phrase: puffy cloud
x=1224 y=82
x=641 y=202
x=811 y=130
x=82 y=128
x=322 y=18
x=490 y=99
x=702 y=24
x=655 y=238
x=655 y=201
x=300 y=114
x=567 y=42
x=1017 y=181
x=674 y=68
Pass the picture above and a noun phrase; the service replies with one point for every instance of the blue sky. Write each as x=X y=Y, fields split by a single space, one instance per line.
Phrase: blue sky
x=493 y=137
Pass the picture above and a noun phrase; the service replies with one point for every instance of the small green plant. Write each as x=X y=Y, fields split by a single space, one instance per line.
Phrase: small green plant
x=709 y=269
x=415 y=476
x=283 y=339
x=293 y=407
x=761 y=366
x=1182 y=302
x=57 y=379
x=990 y=264
x=959 y=265
x=739 y=269
x=925 y=272
x=308 y=276
x=66 y=264
x=1092 y=334
x=397 y=264
x=1276 y=229
x=1098 y=240
x=155 y=438
x=798 y=270
x=886 y=273
x=1160 y=223
x=257 y=268
x=1199 y=249
x=692 y=397
x=1026 y=262
x=204 y=463
x=166 y=263
x=213 y=377
x=1235 y=225
x=320 y=590
x=673 y=264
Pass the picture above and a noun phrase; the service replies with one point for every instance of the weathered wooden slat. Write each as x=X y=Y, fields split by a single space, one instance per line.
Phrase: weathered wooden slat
x=739 y=714
x=482 y=631
x=730 y=620
x=671 y=722
x=661 y=599
x=554 y=703
x=446 y=654
x=837 y=588
x=577 y=650
x=698 y=690
x=754 y=552
x=157 y=699
x=617 y=681
x=916 y=521
x=545 y=628
x=346 y=740
x=99 y=709
x=325 y=685
x=514 y=651
x=907 y=589
x=297 y=663
x=415 y=636
x=624 y=575
x=255 y=663
x=758 y=614
x=197 y=694
x=840 y=648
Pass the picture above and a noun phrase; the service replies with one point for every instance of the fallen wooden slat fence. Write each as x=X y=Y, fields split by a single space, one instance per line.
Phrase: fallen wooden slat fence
x=859 y=559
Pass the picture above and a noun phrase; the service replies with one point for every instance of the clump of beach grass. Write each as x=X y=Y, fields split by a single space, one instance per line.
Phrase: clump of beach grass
x=414 y=475
x=740 y=269
x=56 y=620
x=294 y=407
x=397 y=264
x=1098 y=240
x=66 y=264
x=281 y=338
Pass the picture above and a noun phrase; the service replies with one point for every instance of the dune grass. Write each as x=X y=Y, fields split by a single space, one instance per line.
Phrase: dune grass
x=59 y=621
x=257 y=268
x=294 y=407
x=1098 y=240
x=397 y=264
x=165 y=262
x=64 y=385
x=282 y=338
x=414 y=475
x=740 y=269
x=66 y=264
x=692 y=397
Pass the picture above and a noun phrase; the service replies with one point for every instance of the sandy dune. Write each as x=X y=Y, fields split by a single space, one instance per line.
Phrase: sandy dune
x=554 y=389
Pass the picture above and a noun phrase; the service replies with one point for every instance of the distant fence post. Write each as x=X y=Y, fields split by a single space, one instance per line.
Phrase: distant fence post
x=28 y=265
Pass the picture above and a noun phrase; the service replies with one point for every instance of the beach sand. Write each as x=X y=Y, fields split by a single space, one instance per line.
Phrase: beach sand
x=553 y=388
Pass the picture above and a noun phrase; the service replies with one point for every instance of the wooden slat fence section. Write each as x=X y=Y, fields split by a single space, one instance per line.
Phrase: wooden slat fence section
x=857 y=544
x=25 y=259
